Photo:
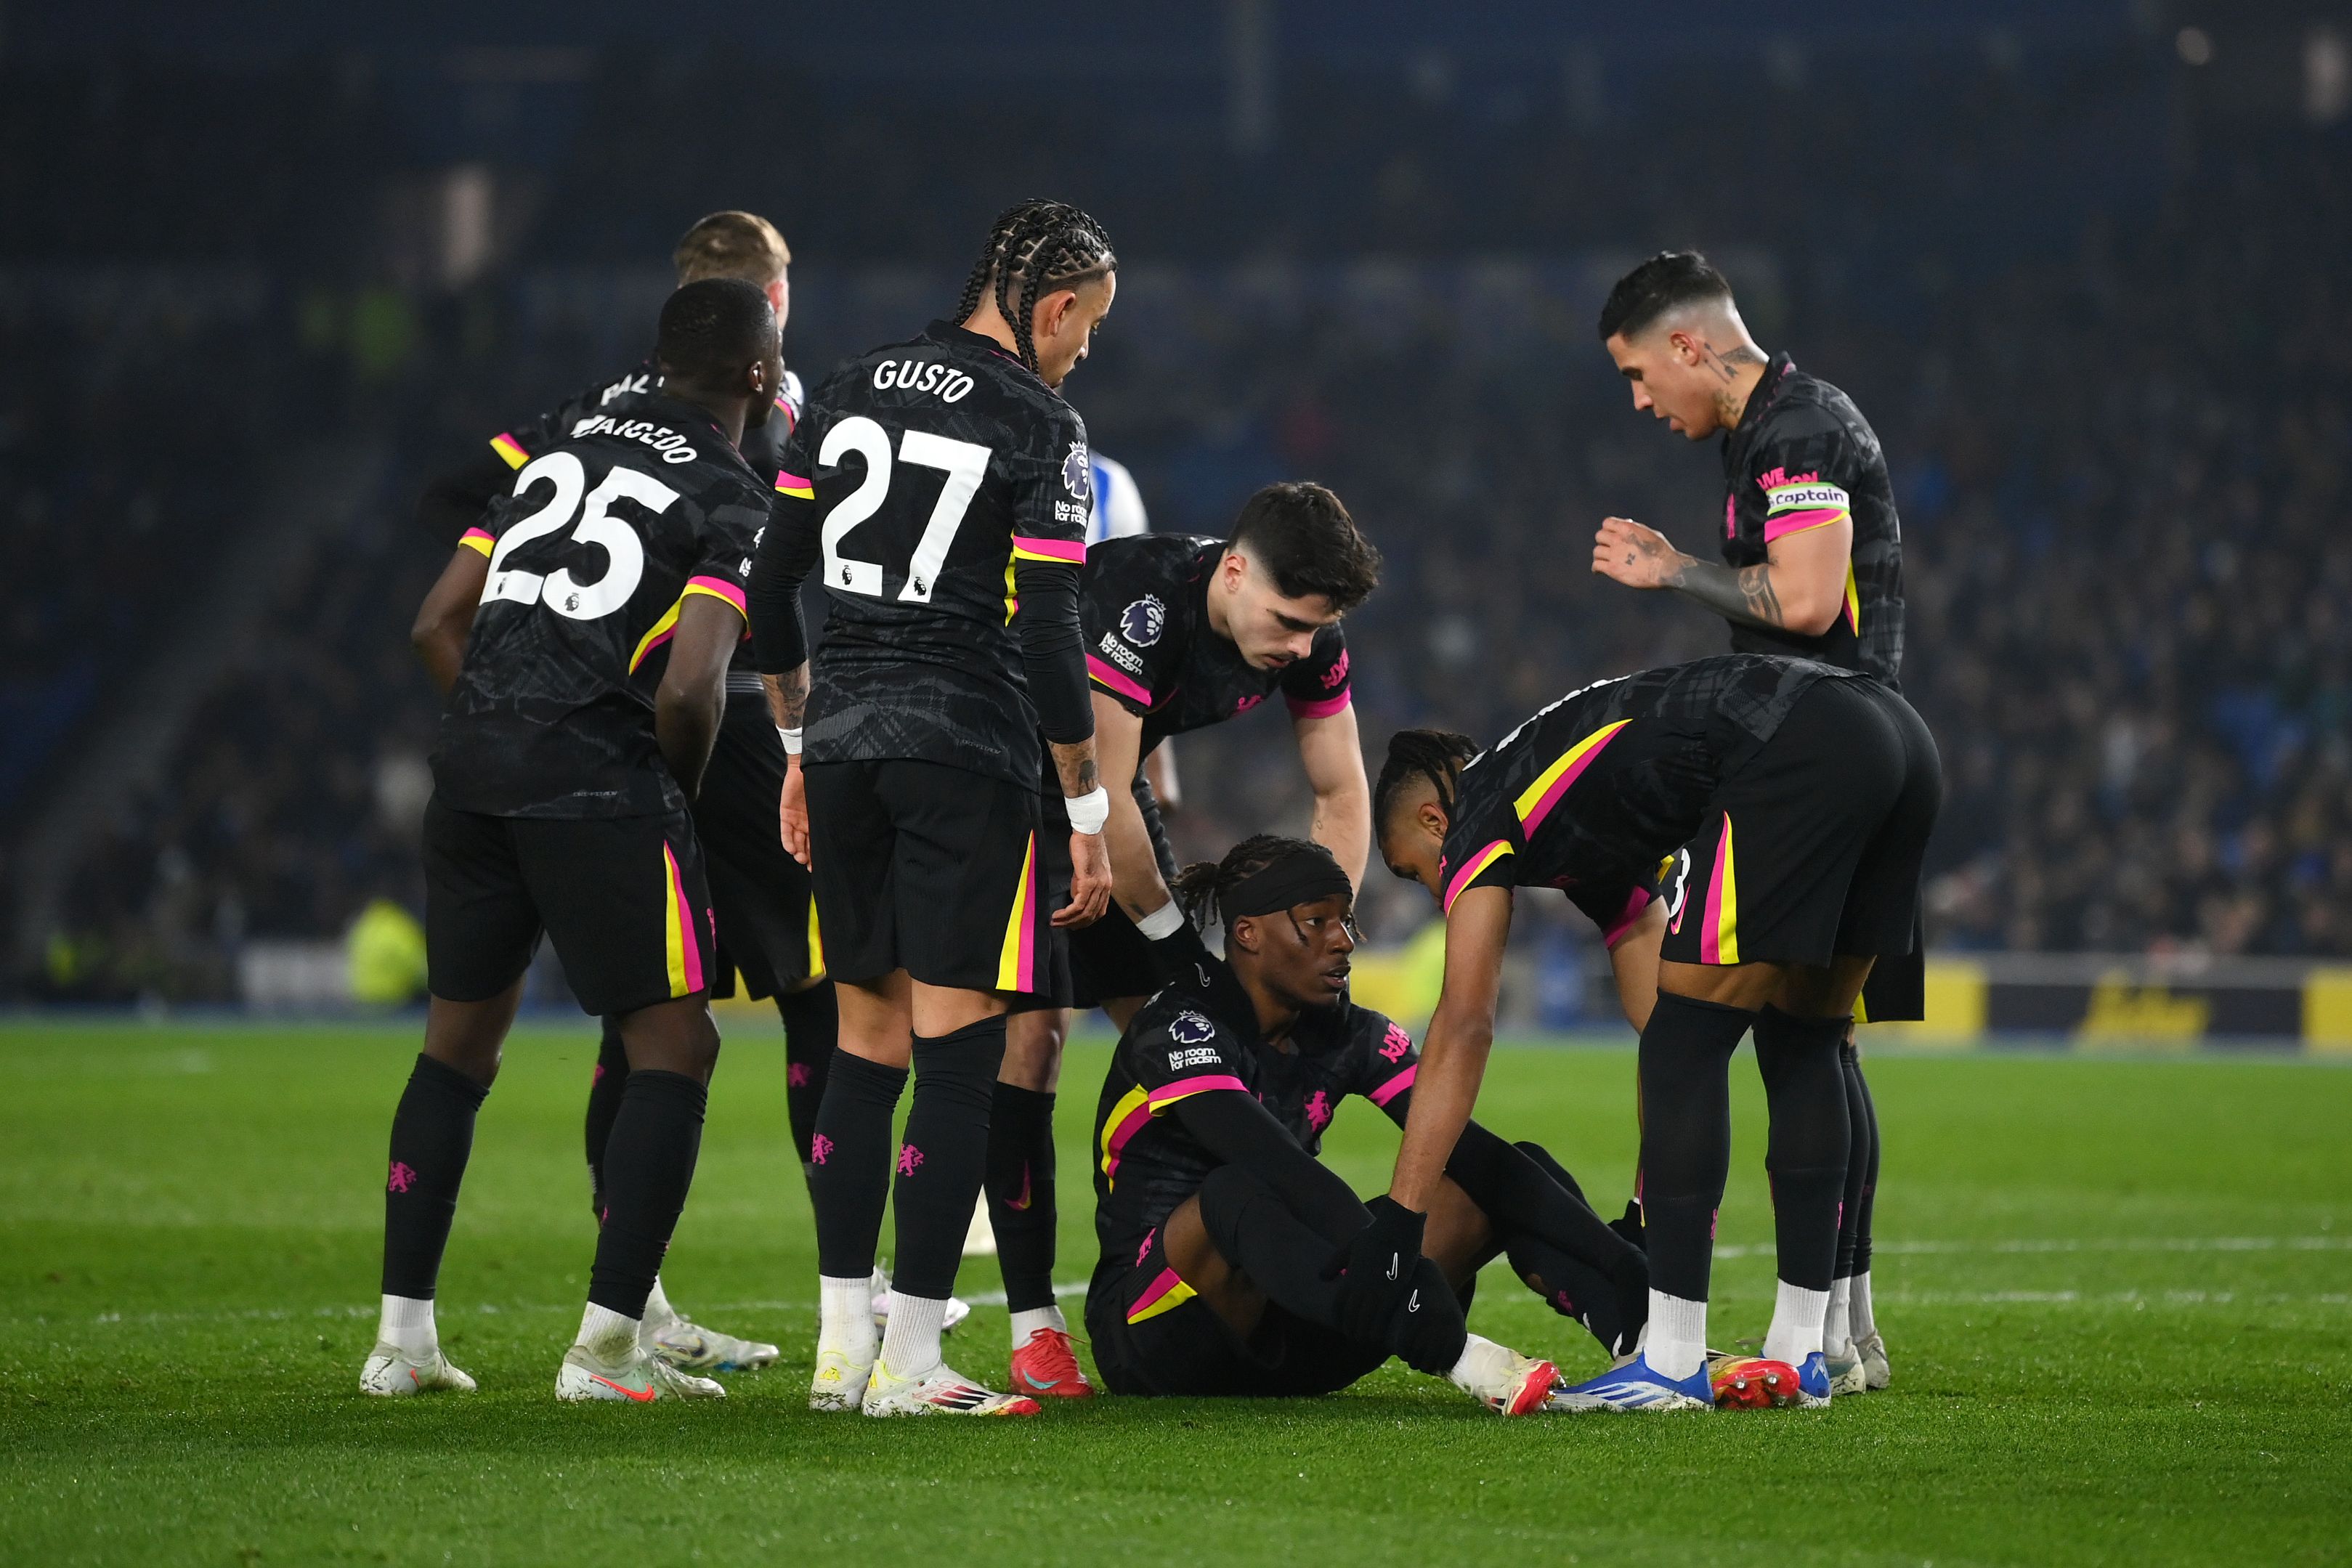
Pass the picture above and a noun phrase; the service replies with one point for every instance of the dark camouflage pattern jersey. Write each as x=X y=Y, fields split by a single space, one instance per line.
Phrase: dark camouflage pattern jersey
x=591 y=558
x=1198 y=1035
x=1593 y=792
x=455 y=501
x=1149 y=646
x=926 y=480
x=1802 y=457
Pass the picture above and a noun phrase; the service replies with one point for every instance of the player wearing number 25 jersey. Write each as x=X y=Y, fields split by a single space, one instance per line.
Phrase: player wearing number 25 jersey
x=561 y=788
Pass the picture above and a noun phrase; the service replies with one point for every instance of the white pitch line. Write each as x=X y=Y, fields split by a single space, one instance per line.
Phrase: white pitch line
x=1901 y=1248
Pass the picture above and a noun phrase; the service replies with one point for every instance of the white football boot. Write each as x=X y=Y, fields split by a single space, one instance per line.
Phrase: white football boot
x=840 y=1381
x=391 y=1373
x=690 y=1347
x=942 y=1391
x=1502 y=1379
x=1872 y=1348
x=636 y=1378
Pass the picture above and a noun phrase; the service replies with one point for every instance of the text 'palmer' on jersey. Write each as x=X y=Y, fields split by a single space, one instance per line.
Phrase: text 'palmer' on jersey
x=1594 y=791
x=1802 y=457
x=1149 y=646
x=927 y=472
x=1200 y=1036
x=591 y=558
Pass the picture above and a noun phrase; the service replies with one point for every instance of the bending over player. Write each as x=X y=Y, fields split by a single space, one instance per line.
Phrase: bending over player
x=1222 y=1233
x=1791 y=804
x=1180 y=634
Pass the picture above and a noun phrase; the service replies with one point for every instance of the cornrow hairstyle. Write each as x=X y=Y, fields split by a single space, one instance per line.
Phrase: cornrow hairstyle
x=1039 y=244
x=1436 y=755
x=1196 y=887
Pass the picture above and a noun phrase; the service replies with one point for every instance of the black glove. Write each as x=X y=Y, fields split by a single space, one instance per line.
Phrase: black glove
x=1178 y=953
x=1427 y=1333
x=1376 y=1270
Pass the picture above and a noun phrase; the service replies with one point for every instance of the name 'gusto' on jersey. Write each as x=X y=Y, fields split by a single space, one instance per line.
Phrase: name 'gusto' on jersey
x=922 y=376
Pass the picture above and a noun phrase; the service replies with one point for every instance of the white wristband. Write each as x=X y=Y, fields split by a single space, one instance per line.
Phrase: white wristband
x=1089 y=811
x=791 y=740
x=1165 y=921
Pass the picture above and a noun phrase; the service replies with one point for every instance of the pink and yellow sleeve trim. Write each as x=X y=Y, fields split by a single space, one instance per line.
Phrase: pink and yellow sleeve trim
x=793 y=484
x=1395 y=1086
x=717 y=588
x=1535 y=802
x=507 y=447
x=1318 y=708
x=478 y=538
x=1139 y=1105
x=1112 y=678
x=1474 y=867
x=1853 y=601
x=1062 y=552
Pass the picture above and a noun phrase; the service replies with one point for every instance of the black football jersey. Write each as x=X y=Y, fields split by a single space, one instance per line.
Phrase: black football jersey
x=1199 y=1038
x=924 y=472
x=1802 y=457
x=1592 y=794
x=763 y=447
x=593 y=557
x=1149 y=646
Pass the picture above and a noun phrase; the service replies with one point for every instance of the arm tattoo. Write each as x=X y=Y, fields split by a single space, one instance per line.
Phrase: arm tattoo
x=1076 y=764
x=1744 y=595
x=788 y=696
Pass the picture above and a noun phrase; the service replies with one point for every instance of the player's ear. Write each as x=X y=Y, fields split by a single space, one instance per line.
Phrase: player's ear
x=1242 y=934
x=1432 y=818
x=1052 y=311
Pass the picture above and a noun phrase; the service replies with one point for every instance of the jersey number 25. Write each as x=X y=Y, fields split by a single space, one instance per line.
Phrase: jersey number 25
x=559 y=591
x=965 y=465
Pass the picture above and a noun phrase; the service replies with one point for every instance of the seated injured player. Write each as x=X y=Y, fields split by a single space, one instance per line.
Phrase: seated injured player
x=1223 y=1236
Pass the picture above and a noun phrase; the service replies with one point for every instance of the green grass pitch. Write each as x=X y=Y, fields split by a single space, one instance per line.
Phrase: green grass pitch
x=2116 y=1289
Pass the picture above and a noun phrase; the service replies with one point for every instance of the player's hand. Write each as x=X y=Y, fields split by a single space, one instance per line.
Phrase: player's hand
x=792 y=813
x=1089 y=881
x=1376 y=1270
x=1625 y=552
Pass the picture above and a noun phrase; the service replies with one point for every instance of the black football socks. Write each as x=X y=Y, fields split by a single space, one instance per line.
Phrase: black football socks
x=849 y=1163
x=610 y=1076
x=431 y=1137
x=1804 y=1091
x=648 y=1168
x=1685 y=1071
x=811 y=1028
x=1021 y=1194
x=943 y=1160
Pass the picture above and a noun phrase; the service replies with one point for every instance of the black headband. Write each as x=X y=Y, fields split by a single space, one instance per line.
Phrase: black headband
x=1297 y=878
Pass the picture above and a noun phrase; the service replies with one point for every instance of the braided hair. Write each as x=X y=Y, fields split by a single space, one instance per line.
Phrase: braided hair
x=1436 y=755
x=1196 y=887
x=1034 y=245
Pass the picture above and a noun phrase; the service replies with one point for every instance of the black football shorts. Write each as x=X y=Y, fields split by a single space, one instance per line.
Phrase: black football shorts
x=623 y=899
x=1152 y=1336
x=767 y=924
x=1110 y=958
x=1814 y=848
x=931 y=869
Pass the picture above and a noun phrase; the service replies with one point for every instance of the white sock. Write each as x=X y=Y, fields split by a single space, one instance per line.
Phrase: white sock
x=1678 y=1336
x=1465 y=1367
x=1797 y=1318
x=659 y=1313
x=1858 y=1317
x=1026 y=1323
x=1837 y=1332
x=846 y=1316
x=407 y=1323
x=911 y=1346
x=607 y=1335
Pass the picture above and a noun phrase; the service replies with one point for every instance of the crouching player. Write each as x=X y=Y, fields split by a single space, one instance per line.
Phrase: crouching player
x=1222 y=1236
x=1789 y=805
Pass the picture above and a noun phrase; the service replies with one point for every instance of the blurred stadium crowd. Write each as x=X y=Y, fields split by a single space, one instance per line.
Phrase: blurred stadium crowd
x=2105 y=381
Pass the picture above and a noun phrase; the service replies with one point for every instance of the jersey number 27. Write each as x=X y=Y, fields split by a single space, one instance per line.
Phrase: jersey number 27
x=965 y=465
